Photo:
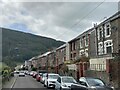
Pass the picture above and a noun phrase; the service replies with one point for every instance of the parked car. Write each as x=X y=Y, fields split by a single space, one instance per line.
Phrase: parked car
x=42 y=71
x=34 y=74
x=64 y=82
x=27 y=72
x=21 y=73
x=50 y=80
x=38 y=76
x=31 y=73
x=16 y=72
x=43 y=77
x=88 y=83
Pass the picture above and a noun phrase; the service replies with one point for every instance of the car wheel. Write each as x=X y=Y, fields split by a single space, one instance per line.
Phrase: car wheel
x=47 y=85
x=44 y=85
x=56 y=89
x=60 y=88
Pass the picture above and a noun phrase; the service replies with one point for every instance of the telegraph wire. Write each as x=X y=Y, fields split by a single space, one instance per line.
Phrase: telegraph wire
x=82 y=18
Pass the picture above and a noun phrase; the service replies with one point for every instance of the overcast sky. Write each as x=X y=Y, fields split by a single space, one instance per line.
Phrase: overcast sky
x=58 y=20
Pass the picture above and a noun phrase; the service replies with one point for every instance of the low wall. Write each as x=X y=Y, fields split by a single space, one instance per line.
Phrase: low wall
x=98 y=74
x=111 y=75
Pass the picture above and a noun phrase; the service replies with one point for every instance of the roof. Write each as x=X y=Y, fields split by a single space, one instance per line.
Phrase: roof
x=45 y=54
x=82 y=34
x=64 y=45
x=115 y=16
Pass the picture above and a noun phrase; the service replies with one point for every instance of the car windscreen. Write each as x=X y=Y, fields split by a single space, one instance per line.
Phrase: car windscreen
x=95 y=82
x=68 y=80
x=53 y=76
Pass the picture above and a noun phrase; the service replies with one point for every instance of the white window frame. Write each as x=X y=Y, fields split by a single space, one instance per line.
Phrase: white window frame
x=81 y=40
x=105 y=46
x=106 y=30
x=86 y=38
x=100 y=48
x=98 y=31
x=86 y=52
x=81 y=51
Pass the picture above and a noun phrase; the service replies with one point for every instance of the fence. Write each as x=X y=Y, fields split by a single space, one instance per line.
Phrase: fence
x=98 y=67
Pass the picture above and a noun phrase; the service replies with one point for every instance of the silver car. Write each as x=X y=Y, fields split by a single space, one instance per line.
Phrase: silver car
x=64 y=82
x=43 y=78
x=22 y=74
x=50 y=80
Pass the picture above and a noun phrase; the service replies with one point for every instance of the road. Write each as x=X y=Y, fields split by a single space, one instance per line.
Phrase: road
x=28 y=82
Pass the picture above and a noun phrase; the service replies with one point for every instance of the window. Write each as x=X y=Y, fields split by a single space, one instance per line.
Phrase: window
x=100 y=33
x=86 y=52
x=86 y=40
x=74 y=55
x=82 y=52
x=59 y=80
x=107 y=30
x=74 y=47
x=81 y=43
x=108 y=47
x=100 y=48
x=83 y=82
x=95 y=82
x=68 y=80
x=71 y=56
x=71 y=46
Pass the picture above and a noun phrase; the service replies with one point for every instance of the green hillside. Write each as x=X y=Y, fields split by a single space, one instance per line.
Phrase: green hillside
x=19 y=46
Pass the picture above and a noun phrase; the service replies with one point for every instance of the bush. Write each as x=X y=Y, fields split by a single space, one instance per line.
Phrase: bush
x=6 y=74
x=34 y=69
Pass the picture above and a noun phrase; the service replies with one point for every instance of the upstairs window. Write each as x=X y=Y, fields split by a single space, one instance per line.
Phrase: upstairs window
x=86 y=40
x=107 y=30
x=100 y=33
x=81 y=43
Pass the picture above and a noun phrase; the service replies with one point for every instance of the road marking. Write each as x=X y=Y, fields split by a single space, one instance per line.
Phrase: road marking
x=13 y=83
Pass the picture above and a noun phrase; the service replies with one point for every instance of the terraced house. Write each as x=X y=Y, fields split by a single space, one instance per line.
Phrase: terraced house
x=92 y=53
x=107 y=47
x=60 y=57
x=107 y=39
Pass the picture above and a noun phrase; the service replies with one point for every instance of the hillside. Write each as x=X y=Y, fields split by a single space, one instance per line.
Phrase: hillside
x=19 y=46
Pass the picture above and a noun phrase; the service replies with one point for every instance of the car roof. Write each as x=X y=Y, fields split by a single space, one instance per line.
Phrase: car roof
x=66 y=76
x=90 y=78
x=52 y=74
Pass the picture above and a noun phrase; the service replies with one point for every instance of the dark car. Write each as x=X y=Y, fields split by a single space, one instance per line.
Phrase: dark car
x=88 y=83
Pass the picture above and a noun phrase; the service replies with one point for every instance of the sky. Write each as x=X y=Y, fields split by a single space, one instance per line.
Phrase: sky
x=62 y=20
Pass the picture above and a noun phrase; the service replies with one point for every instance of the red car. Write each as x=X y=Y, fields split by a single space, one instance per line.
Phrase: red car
x=38 y=77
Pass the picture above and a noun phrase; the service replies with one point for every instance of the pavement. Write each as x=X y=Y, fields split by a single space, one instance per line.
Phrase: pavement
x=10 y=84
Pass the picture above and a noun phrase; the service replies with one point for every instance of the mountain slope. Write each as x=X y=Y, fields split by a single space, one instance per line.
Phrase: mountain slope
x=19 y=46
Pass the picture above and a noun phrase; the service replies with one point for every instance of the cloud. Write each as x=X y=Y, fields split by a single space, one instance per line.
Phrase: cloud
x=58 y=20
